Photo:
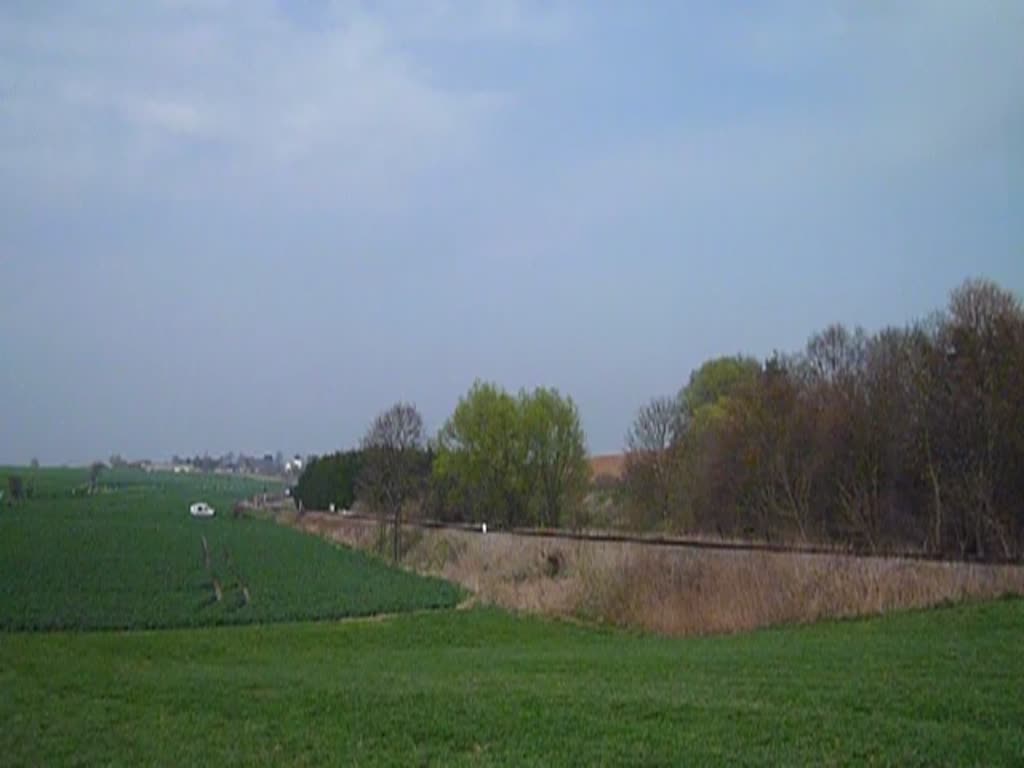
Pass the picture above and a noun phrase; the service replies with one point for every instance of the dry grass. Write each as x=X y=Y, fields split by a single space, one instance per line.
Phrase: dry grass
x=676 y=591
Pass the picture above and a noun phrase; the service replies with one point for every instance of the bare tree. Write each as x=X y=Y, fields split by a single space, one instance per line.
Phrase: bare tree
x=34 y=466
x=907 y=436
x=931 y=422
x=15 y=487
x=95 y=469
x=651 y=471
x=392 y=473
x=984 y=336
x=779 y=449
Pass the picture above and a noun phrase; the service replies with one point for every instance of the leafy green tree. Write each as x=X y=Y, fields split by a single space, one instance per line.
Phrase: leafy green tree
x=557 y=470
x=482 y=457
x=513 y=460
x=705 y=398
x=330 y=480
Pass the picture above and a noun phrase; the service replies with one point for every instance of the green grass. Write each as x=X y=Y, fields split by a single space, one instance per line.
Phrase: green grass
x=130 y=556
x=941 y=687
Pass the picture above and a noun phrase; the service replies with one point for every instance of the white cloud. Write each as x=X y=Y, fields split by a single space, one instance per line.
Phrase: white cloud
x=338 y=106
x=172 y=116
x=222 y=101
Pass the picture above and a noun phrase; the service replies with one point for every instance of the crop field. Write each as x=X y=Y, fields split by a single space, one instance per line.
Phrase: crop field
x=440 y=687
x=130 y=556
x=480 y=687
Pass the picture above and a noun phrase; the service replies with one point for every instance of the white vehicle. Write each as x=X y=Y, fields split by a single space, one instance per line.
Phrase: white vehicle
x=201 y=509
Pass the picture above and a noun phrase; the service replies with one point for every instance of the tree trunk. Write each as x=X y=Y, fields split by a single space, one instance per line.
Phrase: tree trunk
x=937 y=520
x=396 y=533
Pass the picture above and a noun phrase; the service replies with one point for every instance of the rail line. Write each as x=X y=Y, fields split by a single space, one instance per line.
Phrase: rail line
x=677 y=542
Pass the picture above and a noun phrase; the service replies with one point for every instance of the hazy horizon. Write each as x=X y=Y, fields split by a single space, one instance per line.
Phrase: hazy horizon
x=252 y=227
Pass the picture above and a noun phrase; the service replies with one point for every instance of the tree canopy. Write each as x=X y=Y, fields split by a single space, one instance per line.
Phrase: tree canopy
x=906 y=438
x=328 y=480
x=513 y=460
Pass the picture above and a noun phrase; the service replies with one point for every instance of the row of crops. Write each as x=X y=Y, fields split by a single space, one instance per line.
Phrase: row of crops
x=128 y=555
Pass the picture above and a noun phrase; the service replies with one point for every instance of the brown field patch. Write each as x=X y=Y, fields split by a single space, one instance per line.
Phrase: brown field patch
x=609 y=465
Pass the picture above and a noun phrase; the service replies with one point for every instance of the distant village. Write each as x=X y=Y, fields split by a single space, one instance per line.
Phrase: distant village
x=268 y=465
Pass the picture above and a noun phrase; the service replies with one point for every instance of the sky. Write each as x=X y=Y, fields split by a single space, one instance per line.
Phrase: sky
x=232 y=226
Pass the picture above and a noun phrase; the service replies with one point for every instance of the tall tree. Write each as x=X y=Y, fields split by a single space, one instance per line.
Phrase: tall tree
x=513 y=460
x=984 y=332
x=714 y=382
x=392 y=475
x=780 y=447
x=482 y=457
x=95 y=470
x=651 y=477
x=557 y=470
x=905 y=437
x=15 y=488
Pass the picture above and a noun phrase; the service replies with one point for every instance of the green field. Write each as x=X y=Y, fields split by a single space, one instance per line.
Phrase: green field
x=130 y=556
x=478 y=687
x=444 y=687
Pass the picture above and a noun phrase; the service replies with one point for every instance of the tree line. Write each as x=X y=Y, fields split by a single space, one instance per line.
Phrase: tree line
x=911 y=437
x=508 y=460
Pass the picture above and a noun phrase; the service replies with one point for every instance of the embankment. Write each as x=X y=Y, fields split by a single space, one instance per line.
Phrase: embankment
x=674 y=590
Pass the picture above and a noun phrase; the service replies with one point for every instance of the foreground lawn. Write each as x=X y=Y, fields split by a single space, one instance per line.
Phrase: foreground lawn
x=483 y=688
x=130 y=556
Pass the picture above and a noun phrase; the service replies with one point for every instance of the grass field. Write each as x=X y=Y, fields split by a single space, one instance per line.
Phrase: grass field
x=130 y=556
x=940 y=687
x=444 y=687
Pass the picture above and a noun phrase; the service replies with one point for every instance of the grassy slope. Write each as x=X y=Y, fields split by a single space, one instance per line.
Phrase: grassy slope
x=131 y=556
x=480 y=687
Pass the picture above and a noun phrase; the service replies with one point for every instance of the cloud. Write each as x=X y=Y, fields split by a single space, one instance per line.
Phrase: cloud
x=174 y=117
x=225 y=101
x=589 y=195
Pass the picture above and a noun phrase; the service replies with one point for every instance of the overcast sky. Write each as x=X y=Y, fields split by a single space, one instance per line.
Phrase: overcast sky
x=252 y=225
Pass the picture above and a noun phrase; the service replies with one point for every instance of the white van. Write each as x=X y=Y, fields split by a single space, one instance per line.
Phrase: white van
x=201 y=509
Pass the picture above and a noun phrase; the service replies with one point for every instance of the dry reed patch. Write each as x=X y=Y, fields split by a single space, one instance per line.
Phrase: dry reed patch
x=681 y=592
x=676 y=591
